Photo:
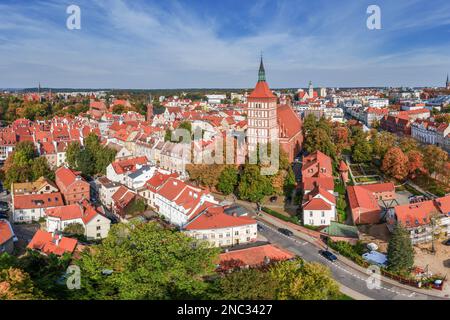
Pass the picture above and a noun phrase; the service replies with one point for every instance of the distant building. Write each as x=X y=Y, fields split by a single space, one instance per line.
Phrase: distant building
x=51 y=243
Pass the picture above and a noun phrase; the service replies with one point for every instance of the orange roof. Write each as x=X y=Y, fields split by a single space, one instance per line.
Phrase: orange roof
x=343 y=166
x=256 y=255
x=215 y=218
x=261 y=90
x=48 y=243
x=66 y=177
x=444 y=204
x=416 y=214
x=317 y=204
x=6 y=232
x=309 y=183
x=128 y=165
x=380 y=187
x=361 y=197
x=289 y=123
x=33 y=201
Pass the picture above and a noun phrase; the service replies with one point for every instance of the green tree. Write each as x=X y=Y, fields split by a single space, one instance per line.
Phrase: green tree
x=382 y=142
x=246 y=284
x=252 y=185
x=168 y=135
x=300 y=280
x=289 y=182
x=319 y=139
x=228 y=180
x=40 y=168
x=186 y=125
x=361 y=148
x=74 y=229
x=72 y=153
x=400 y=251
x=147 y=262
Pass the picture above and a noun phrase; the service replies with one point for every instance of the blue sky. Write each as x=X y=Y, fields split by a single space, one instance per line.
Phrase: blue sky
x=208 y=43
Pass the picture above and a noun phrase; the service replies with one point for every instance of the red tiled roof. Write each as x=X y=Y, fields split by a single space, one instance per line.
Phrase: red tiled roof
x=47 y=243
x=261 y=90
x=289 y=123
x=6 y=232
x=443 y=204
x=66 y=177
x=416 y=214
x=128 y=165
x=317 y=204
x=215 y=218
x=33 y=201
x=256 y=255
x=309 y=183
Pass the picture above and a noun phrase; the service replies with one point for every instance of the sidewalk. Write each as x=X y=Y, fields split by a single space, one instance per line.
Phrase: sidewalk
x=282 y=224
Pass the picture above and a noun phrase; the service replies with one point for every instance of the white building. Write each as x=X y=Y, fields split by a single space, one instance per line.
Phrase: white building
x=96 y=225
x=215 y=98
x=178 y=202
x=31 y=207
x=378 y=103
x=106 y=190
x=220 y=230
x=319 y=208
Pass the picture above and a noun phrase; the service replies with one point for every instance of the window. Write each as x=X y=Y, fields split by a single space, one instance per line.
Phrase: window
x=99 y=235
x=323 y=214
x=228 y=234
x=98 y=228
x=236 y=233
x=310 y=214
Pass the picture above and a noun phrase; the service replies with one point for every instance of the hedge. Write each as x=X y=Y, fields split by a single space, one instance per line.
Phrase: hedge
x=280 y=216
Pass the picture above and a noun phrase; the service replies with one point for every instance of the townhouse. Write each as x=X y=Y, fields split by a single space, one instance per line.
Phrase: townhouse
x=119 y=170
x=31 y=207
x=179 y=202
x=429 y=132
x=422 y=219
x=95 y=224
x=40 y=186
x=219 y=229
x=319 y=203
x=72 y=186
x=107 y=188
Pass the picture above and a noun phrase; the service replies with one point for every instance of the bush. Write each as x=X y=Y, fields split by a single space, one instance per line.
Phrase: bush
x=353 y=252
x=280 y=216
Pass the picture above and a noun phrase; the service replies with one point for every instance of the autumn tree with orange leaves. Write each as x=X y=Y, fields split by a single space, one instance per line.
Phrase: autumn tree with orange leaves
x=395 y=163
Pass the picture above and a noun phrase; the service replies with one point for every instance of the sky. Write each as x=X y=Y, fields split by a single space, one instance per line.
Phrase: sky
x=217 y=44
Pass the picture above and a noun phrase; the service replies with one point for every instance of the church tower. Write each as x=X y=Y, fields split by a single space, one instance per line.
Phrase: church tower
x=447 y=83
x=261 y=112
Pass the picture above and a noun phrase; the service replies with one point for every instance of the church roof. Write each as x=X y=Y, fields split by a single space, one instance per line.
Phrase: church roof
x=289 y=123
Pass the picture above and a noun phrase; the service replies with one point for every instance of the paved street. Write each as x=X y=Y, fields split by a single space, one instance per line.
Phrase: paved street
x=342 y=273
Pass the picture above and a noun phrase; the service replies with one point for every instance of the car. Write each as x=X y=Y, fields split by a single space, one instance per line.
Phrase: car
x=273 y=199
x=328 y=255
x=447 y=242
x=286 y=232
x=3 y=216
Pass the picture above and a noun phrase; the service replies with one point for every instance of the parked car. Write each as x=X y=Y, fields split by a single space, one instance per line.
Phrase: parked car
x=3 y=216
x=286 y=232
x=4 y=206
x=447 y=242
x=328 y=255
x=273 y=199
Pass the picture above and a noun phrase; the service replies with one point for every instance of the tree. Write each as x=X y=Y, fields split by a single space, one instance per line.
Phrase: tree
x=72 y=153
x=228 y=180
x=74 y=229
x=252 y=185
x=300 y=280
x=16 y=285
x=415 y=163
x=289 y=182
x=361 y=147
x=309 y=124
x=408 y=144
x=400 y=251
x=395 y=163
x=168 y=135
x=435 y=159
x=118 y=109
x=147 y=262
x=247 y=284
x=382 y=142
x=207 y=175
x=186 y=125
x=319 y=139
x=40 y=168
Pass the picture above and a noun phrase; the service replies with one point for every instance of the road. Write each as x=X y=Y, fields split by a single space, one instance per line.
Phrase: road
x=342 y=273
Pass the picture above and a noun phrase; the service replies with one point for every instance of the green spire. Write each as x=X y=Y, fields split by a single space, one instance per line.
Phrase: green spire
x=262 y=72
